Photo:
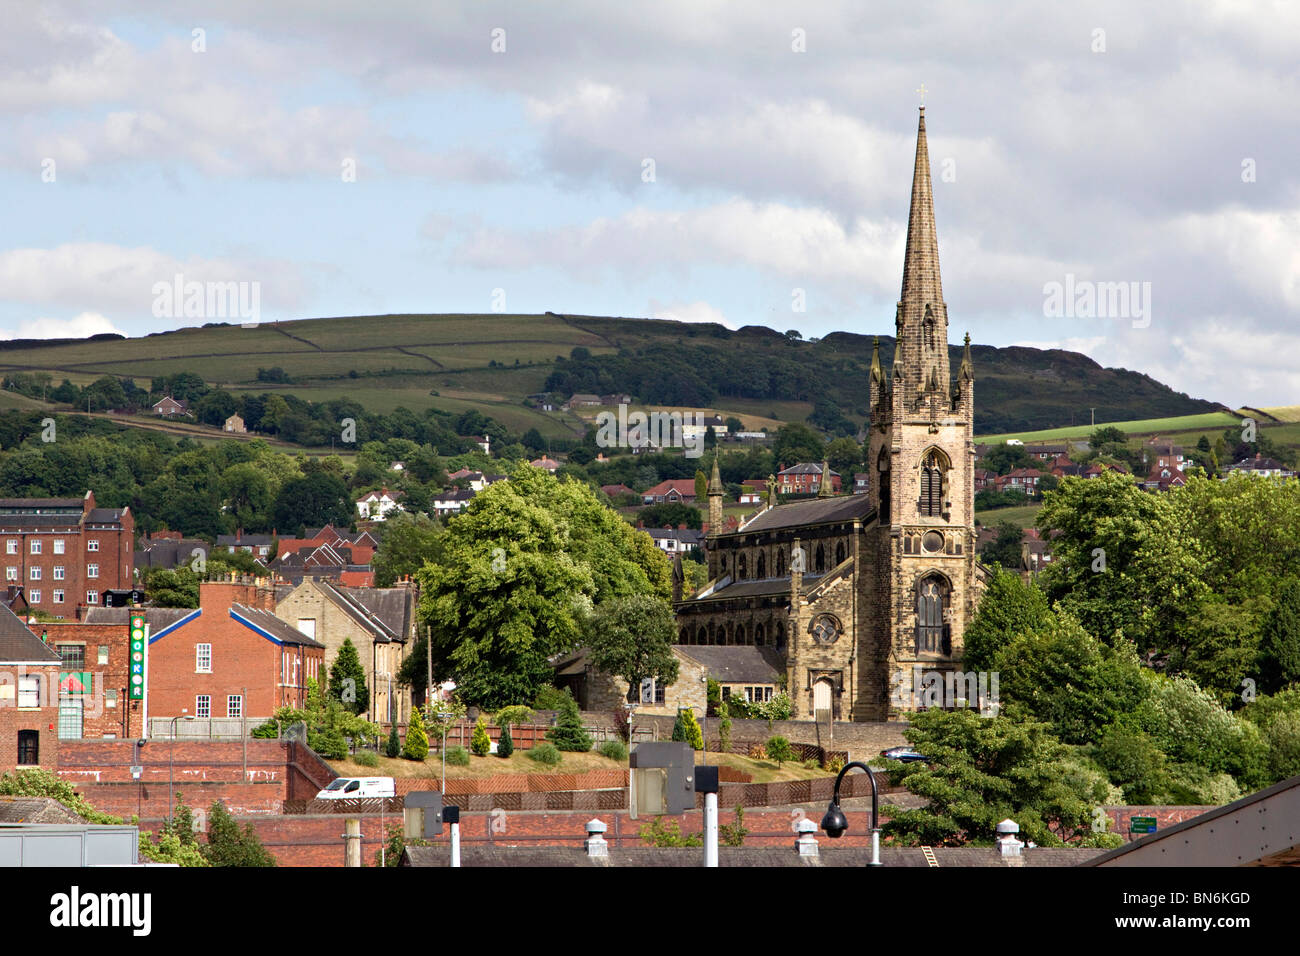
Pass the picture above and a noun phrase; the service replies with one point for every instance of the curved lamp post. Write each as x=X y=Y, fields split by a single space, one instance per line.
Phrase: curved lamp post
x=835 y=822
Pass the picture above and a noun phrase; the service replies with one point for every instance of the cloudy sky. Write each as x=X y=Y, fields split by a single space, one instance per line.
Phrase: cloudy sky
x=696 y=160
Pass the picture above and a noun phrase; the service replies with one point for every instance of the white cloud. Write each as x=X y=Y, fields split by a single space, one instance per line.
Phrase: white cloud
x=77 y=327
x=689 y=312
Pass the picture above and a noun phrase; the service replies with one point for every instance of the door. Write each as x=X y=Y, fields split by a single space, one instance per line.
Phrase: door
x=822 y=701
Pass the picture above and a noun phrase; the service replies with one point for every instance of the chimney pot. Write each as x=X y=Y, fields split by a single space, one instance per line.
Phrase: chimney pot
x=806 y=843
x=595 y=844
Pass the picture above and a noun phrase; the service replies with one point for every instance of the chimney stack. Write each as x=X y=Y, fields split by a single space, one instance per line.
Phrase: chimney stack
x=1008 y=846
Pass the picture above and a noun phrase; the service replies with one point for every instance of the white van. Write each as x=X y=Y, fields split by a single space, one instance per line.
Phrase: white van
x=354 y=788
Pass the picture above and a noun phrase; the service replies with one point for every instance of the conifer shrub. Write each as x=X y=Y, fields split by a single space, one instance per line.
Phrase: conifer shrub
x=365 y=758
x=394 y=746
x=686 y=729
x=506 y=743
x=780 y=750
x=458 y=756
x=568 y=732
x=480 y=743
x=417 y=741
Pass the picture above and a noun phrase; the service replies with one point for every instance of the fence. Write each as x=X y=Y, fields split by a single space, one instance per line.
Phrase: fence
x=204 y=728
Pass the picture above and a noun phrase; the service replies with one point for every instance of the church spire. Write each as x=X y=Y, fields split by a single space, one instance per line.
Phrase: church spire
x=824 y=490
x=921 y=284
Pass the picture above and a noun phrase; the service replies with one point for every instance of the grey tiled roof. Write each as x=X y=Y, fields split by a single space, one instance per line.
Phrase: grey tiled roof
x=736 y=664
x=810 y=512
x=285 y=633
x=18 y=644
x=156 y=617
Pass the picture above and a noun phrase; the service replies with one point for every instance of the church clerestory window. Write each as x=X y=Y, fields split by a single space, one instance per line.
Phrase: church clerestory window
x=931 y=633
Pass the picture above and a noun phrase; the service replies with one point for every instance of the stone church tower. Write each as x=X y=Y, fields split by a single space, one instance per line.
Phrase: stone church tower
x=921 y=454
x=843 y=595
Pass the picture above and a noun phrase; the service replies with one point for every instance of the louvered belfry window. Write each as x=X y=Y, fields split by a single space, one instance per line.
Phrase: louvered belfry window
x=931 y=502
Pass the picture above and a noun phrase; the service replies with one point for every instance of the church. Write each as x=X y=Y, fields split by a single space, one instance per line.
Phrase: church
x=850 y=593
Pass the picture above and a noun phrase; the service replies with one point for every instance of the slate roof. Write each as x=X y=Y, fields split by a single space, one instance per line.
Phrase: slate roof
x=19 y=645
x=813 y=511
x=156 y=617
x=736 y=664
x=282 y=632
x=349 y=600
x=35 y=810
x=395 y=607
x=743 y=856
x=740 y=589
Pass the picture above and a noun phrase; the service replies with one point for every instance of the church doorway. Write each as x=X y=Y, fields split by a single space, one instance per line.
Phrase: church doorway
x=822 y=698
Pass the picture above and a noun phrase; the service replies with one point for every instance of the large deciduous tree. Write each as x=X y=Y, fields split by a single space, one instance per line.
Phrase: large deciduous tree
x=632 y=637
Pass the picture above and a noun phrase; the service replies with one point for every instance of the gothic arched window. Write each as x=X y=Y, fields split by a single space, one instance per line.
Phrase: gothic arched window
x=882 y=483
x=738 y=636
x=701 y=636
x=819 y=564
x=760 y=635
x=840 y=554
x=742 y=568
x=933 y=468
x=931 y=634
x=780 y=563
x=762 y=566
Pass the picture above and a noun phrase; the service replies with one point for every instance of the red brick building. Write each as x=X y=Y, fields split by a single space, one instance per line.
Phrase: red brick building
x=29 y=712
x=94 y=703
x=65 y=553
x=230 y=658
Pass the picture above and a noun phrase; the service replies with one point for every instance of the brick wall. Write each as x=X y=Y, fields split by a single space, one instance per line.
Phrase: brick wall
x=42 y=719
x=862 y=740
x=104 y=714
x=203 y=771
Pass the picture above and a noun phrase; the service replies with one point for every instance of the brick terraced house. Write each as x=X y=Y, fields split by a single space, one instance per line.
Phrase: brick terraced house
x=66 y=553
x=29 y=711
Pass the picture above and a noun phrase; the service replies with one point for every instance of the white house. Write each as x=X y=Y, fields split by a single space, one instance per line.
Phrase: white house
x=377 y=504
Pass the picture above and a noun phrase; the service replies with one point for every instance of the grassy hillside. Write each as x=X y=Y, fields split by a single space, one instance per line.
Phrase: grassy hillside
x=491 y=362
x=1148 y=426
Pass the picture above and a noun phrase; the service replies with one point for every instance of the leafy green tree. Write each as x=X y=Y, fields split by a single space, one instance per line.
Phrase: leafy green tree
x=1279 y=660
x=632 y=638
x=1135 y=763
x=519 y=572
x=1064 y=676
x=312 y=500
x=779 y=749
x=797 y=442
x=568 y=732
x=480 y=744
x=505 y=743
x=348 y=679
x=1107 y=434
x=671 y=514
x=1005 y=549
x=1008 y=608
x=417 y=741
x=686 y=729
x=844 y=456
x=228 y=845
x=1004 y=459
x=983 y=770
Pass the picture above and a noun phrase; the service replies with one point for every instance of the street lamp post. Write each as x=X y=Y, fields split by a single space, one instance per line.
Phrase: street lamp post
x=171 y=761
x=835 y=822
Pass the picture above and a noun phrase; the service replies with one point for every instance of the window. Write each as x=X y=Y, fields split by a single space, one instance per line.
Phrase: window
x=110 y=698
x=92 y=570
x=29 y=748
x=29 y=691
x=92 y=545
x=931 y=502
x=103 y=655
x=70 y=722
x=11 y=546
x=203 y=658
x=58 y=595
x=234 y=706
x=307 y=625
x=203 y=706
x=11 y=574
x=92 y=597
x=74 y=656
x=58 y=572
x=930 y=637
x=35 y=574
x=36 y=545
x=58 y=545
x=34 y=597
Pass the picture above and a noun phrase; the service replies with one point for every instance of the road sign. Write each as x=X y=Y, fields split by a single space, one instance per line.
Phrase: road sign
x=1142 y=825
